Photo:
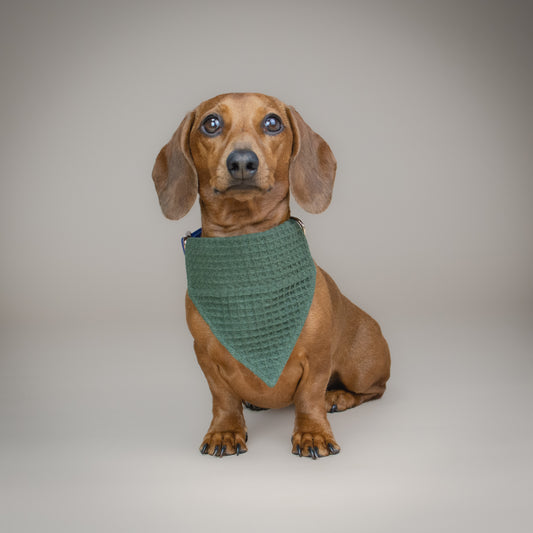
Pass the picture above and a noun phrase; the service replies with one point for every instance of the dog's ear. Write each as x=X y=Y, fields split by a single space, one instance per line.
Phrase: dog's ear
x=174 y=173
x=312 y=167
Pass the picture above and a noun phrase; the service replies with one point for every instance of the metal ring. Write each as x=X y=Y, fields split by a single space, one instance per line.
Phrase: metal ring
x=300 y=223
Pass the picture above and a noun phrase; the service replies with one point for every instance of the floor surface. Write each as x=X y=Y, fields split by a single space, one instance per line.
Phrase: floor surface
x=101 y=426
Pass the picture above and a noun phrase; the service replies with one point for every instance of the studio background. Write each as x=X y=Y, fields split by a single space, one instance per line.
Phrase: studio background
x=427 y=107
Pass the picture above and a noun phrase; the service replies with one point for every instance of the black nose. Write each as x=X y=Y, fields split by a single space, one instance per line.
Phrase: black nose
x=242 y=164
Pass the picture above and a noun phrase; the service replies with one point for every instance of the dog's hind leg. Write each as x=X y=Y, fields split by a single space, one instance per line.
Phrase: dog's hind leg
x=362 y=363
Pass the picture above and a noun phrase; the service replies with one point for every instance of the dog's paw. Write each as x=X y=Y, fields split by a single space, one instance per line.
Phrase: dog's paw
x=224 y=443
x=314 y=445
x=340 y=400
x=253 y=407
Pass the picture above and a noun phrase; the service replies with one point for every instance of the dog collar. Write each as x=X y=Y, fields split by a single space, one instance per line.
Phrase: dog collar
x=254 y=291
x=198 y=233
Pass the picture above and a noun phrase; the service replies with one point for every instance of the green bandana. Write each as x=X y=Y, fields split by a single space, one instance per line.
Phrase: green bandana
x=254 y=291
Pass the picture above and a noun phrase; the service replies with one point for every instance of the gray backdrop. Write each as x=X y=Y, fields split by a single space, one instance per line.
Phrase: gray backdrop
x=427 y=106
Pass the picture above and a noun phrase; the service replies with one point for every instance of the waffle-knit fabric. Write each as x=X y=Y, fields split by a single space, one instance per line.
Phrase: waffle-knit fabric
x=254 y=291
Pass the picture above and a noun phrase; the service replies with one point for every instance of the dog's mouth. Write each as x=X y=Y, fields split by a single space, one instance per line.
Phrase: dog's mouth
x=241 y=187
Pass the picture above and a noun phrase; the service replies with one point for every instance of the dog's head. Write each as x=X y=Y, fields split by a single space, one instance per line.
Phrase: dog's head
x=243 y=148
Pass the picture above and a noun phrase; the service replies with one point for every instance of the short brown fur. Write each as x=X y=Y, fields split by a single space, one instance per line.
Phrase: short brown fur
x=341 y=358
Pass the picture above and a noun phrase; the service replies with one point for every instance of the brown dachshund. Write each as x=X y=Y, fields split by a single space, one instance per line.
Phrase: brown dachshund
x=243 y=153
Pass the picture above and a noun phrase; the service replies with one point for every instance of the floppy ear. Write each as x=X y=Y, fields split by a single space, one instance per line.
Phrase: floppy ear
x=174 y=173
x=312 y=167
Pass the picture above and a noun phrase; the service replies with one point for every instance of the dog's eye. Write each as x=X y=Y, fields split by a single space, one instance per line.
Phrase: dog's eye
x=212 y=125
x=272 y=124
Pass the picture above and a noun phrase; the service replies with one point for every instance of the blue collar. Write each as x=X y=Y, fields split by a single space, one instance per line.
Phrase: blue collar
x=198 y=233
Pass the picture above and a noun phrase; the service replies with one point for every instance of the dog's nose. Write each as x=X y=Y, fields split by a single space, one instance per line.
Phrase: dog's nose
x=242 y=164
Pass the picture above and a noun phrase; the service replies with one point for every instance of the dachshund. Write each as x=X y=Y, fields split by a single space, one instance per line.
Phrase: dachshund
x=244 y=154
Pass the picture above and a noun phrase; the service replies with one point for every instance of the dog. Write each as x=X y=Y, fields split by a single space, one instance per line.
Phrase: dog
x=244 y=155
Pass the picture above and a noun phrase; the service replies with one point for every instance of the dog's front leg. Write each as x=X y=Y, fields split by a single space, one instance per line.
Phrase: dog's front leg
x=312 y=436
x=227 y=432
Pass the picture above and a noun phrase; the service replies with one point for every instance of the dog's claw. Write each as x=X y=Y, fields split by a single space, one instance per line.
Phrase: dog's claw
x=203 y=451
x=332 y=449
x=222 y=451
x=333 y=408
x=215 y=453
x=238 y=450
